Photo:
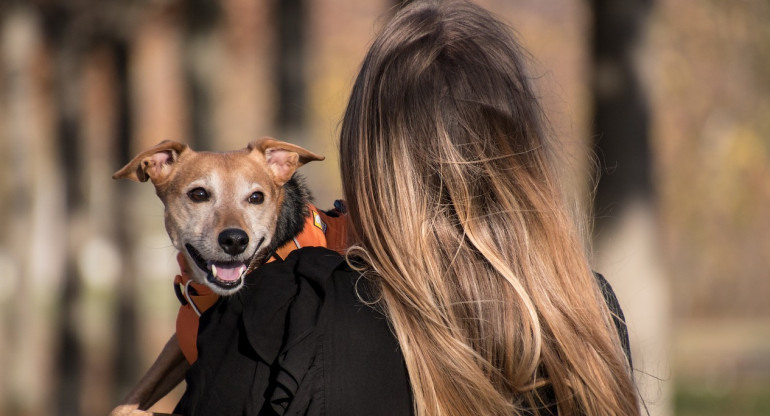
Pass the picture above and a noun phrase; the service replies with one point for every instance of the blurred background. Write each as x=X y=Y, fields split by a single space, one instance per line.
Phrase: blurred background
x=669 y=98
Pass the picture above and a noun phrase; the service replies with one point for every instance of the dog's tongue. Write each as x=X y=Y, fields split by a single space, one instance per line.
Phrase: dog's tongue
x=228 y=272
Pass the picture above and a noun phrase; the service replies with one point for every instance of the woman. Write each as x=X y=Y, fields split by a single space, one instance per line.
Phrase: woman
x=470 y=292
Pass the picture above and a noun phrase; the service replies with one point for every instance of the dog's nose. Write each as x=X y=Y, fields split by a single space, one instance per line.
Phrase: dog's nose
x=233 y=241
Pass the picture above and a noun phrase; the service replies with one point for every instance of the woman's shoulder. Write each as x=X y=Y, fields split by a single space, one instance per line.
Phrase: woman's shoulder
x=617 y=314
x=345 y=304
x=357 y=364
x=363 y=363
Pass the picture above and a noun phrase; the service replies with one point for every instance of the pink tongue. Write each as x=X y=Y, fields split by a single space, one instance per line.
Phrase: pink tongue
x=229 y=272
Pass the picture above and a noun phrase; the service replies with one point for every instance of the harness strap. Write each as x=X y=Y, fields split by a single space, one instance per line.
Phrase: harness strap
x=320 y=229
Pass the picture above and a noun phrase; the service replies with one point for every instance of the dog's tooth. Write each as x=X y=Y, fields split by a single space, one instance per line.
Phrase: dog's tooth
x=240 y=272
x=214 y=270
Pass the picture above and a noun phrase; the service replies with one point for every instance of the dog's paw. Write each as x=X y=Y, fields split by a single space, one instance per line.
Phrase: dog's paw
x=129 y=410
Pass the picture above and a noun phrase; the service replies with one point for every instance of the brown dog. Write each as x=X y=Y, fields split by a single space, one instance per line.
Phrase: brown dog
x=225 y=212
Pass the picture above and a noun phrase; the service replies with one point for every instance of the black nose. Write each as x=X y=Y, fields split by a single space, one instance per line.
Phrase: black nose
x=233 y=241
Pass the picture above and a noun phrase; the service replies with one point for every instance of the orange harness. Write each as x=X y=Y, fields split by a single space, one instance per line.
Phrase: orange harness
x=320 y=230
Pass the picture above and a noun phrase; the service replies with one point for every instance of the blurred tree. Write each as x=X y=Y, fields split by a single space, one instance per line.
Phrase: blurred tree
x=621 y=122
x=66 y=37
x=72 y=30
x=626 y=222
x=291 y=18
x=126 y=325
x=33 y=235
x=200 y=22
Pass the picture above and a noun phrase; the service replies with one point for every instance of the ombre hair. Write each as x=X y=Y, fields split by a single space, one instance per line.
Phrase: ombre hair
x=460 y=224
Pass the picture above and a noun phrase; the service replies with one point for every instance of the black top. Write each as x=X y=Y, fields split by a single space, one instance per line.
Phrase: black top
x=297 y=340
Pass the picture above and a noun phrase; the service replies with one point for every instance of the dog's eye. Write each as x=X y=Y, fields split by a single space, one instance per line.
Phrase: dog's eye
x=256 y=198
x=198 y=195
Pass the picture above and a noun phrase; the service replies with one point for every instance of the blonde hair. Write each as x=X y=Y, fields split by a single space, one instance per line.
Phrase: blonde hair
x=460 y=224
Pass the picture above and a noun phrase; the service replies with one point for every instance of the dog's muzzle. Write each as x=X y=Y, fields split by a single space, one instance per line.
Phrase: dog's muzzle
x=226 y=275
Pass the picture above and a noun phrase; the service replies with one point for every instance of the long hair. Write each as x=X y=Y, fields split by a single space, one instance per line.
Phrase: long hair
x=460 y=224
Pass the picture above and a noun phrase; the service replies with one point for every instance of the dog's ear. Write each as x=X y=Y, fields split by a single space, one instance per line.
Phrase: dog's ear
x=282 y=158
x=154 y=164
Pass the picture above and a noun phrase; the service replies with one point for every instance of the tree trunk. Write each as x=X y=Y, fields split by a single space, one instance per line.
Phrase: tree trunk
x=127 y=341
x=626 y=234
x=290 y=65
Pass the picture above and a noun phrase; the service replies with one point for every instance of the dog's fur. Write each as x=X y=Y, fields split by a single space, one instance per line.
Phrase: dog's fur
x=225 y=212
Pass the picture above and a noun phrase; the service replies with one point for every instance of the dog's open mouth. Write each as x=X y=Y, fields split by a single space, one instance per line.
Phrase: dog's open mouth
x=225 y=274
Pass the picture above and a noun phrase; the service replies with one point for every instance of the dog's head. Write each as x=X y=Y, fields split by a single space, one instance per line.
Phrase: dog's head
x=220 y=208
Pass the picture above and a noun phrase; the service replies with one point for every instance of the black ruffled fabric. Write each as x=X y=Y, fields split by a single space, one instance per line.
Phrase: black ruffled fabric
x=296 y=340
x=300 y=338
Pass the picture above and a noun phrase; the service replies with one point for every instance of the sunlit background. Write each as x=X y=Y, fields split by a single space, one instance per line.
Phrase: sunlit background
x=671 y=97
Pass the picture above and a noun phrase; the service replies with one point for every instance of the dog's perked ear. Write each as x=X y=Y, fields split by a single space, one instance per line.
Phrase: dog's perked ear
x=154 y=164
x=282 y=158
